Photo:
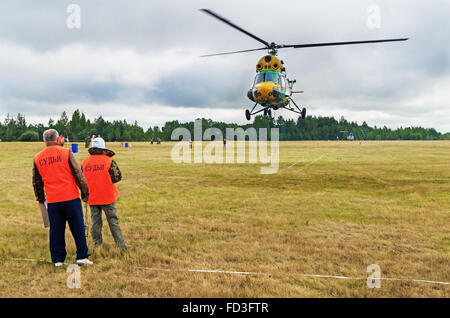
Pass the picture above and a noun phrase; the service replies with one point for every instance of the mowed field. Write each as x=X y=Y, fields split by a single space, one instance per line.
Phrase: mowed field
x=333 y=208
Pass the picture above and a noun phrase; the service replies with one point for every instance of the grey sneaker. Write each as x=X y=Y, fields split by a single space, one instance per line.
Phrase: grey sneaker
x=58 y=264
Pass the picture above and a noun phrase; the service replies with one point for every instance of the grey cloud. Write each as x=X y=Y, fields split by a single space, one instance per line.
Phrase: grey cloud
x=197 y=87
x=359 y=78
x=57 y=91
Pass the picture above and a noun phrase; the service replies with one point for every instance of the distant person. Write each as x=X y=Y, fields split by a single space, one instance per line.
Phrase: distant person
x=102 y=172
x=158 y=141
x=224 y=143
x=87 y=141
x=151 y=141
x=60 y=141
x=57 y=176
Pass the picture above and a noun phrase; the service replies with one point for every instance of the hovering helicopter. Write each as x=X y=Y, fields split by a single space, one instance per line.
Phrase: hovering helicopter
x=271 y=87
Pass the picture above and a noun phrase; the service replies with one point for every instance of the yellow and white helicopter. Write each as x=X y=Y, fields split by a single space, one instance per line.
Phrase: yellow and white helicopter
x=271 y=88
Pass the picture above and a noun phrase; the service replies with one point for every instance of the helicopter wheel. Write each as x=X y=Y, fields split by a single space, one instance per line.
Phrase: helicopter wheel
x=303 y=113
x=269 y=112
x=247 y=114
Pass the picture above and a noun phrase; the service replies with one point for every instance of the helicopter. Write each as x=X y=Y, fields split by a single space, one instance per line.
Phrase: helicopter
x=271 y=88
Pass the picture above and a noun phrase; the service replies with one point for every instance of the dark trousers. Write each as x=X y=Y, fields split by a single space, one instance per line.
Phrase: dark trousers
x=59 y=213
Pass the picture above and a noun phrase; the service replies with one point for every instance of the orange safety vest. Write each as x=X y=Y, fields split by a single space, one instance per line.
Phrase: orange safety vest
x=101 y=189
x=53 y=166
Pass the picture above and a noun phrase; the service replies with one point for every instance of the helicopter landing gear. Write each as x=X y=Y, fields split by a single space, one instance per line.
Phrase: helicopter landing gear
x=267 y=112
x=247 y=114
x=303 y=113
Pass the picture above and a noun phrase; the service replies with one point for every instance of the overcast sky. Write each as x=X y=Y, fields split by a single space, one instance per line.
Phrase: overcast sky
x=139 y=60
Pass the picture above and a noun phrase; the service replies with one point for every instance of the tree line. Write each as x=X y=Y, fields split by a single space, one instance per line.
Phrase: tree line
x=79 y=127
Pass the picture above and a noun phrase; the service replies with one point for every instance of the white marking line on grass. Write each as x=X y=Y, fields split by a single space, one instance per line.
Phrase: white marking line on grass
x=305 y=275
x=295 y=163
x=263 y=274
x=202 y=271
x=32 y=260
x=308 y=164
x=387 y=278
x=224 y=272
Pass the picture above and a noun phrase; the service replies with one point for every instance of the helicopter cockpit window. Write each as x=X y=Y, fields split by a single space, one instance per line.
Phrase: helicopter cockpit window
x=259 y=78
x=273 y=77
x=283 y=83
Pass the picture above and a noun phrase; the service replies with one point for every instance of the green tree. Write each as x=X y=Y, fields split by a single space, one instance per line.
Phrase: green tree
x=29 y=135
x=62 y=125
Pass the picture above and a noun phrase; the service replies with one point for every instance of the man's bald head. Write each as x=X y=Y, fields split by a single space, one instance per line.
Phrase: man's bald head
x=50 y=135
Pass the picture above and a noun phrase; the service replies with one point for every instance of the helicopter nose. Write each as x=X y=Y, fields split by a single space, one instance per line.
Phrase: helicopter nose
x=264 y=91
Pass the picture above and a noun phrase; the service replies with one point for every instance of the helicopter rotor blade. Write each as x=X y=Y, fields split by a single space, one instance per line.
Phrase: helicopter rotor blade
x=226 y=53
x=235 y=26
x=298 y=46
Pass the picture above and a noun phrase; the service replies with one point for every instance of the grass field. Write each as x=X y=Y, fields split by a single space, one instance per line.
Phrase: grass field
x=333 y=208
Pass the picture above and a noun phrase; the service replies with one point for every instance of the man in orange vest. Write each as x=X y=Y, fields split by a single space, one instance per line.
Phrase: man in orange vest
x=58 y=176
x=101 y=173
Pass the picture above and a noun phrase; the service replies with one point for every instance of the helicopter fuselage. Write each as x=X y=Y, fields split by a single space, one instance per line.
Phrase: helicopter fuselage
x=271 y=87
x=269 y=93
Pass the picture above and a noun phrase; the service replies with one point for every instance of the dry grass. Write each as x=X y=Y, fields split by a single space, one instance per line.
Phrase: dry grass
x=333 y=208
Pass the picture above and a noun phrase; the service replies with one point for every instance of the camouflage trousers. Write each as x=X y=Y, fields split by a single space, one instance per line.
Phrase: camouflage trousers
x=113 y=221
